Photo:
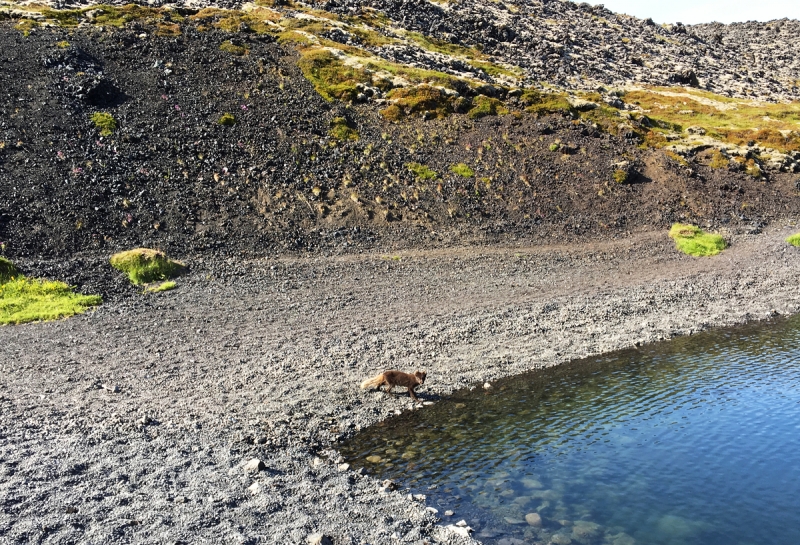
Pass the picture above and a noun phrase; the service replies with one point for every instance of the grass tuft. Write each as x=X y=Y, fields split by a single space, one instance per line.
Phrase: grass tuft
x=341 y=130
x=25 y=300
x=483 y=106
x=144 y=265
x=794 y=240
x=230 y=47
x=691 y=240
x=227 y=119
x=7 y=271
x=163 y=286
x=462 y=170
x=421 y=171
x=105 y=122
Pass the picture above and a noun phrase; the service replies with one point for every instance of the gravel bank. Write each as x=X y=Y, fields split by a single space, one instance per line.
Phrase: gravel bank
x=134 y=424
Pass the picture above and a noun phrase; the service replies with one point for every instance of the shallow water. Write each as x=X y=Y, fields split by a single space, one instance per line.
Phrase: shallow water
x=691 y=442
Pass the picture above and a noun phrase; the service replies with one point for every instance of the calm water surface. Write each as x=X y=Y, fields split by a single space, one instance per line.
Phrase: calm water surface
x=695 y=442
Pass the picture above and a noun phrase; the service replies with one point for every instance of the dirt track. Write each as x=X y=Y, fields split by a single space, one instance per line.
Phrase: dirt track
x=133 y=424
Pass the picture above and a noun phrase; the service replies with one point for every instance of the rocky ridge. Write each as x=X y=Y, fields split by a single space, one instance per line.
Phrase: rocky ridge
x=570 y=45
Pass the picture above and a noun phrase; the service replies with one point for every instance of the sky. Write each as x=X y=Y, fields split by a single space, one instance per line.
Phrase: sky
x=706 y=11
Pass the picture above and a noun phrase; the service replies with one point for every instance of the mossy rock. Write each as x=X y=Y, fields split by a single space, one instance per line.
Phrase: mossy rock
x=693 y=241
x=144 y=265
x=7 y=271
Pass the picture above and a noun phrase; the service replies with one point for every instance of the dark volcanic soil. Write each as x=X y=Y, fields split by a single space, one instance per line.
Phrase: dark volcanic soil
x=172 y=177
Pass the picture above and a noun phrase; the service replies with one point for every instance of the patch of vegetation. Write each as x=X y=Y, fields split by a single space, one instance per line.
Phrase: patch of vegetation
x=462 y=170
x=620 y=176
x=169 y=30
x=691 y=240
x=163 y=286
x=7 y=270
x=63 y=44
x=230 y=47
x=26 y=26
x=540 y=103
x=446 y=48
x=144 y=265
x=718 y=160
x=737 y=121
x=483 y=106
x=227 y=119
x=422 y=172
x=496 y=70
x=330 y=76
x=105 y=122
x=25 y=300
x=794 y=240
x=341 y=129
x=554 y=146
x=408 y=101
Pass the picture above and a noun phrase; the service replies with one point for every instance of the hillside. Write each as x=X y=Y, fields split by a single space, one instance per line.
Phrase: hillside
x=384 y=124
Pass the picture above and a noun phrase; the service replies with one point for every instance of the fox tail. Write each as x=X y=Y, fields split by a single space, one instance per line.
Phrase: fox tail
x=372 y=382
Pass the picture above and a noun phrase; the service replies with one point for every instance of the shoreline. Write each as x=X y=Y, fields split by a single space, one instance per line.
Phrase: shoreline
x=135 y=423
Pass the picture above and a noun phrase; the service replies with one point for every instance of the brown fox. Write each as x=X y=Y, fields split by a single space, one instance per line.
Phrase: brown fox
x=396 y=378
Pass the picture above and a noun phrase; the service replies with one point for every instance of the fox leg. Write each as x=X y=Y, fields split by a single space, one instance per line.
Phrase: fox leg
x=412 y=394
x=389 y=387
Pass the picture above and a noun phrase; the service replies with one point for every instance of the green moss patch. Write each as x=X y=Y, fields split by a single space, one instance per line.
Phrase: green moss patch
x=144 y=265
x=105 y=122
x=462 y=170
x=483 y=106
x=330 y=76
x=421 y=171
x=794 y=240
x=25 y=300
x=227 y=119
x=230 y=47
x=691 y=240
x=341 y=129
x=407 y=101
x=162 y=286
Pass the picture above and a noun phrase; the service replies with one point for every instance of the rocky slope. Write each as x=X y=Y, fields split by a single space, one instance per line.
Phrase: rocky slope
x=575 y=46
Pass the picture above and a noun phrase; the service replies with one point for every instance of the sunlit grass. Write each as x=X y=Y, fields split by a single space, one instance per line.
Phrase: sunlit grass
x=144 y=265
x=693 y=241
x=25 y=300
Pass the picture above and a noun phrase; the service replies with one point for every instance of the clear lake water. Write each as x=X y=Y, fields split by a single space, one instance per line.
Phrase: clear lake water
x=695 y=441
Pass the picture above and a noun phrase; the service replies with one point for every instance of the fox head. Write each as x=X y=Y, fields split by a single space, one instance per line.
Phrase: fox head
x=421 y=376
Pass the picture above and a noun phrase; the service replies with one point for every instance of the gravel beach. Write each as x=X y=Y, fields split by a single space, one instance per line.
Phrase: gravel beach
x=139 y=423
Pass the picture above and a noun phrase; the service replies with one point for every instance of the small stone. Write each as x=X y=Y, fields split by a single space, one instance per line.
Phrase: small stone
x=254 y=488
x=71 y=510
x=462 y=523
x=487 y=386
x=534 y=519
x=254 y=466
x=374 y=459
x=432 y=510
x=449 y=513
x=180 y=499
x=319 y=539
x=343 y=467
x=459 y=530
x=419 y=497
x=316 y=462
x=113 y=388
x=389 y=484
